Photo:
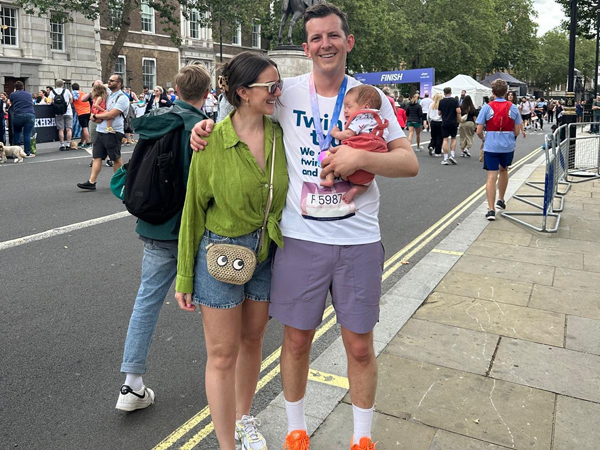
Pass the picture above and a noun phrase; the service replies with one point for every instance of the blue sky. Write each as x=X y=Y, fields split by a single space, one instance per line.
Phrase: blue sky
x=550 y=14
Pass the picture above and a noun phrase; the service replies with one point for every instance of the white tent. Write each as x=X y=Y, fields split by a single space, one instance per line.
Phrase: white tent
x=464 y=82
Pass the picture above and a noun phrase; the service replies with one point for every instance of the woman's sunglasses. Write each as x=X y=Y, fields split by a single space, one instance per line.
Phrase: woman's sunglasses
x=271 y=87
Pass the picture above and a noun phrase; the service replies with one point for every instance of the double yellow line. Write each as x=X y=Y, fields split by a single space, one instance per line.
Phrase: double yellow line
x=390 y=266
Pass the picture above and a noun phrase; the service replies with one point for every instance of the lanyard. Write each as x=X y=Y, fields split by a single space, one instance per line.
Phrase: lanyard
x=325 y=141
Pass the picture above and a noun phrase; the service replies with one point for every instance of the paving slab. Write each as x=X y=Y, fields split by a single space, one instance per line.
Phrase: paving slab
x=566 y=245
x=444 y=440
x=531 y=255
x=492 y=317
x=504 y=224
x=577 y=279
x=395 y=310
x=391 y=432
x=553 y=369
x=566 y=301
x=583 y=335
x=495 y=267
x=485 y=288
x=591 y=263
x=495 y=411
x=505 y=237
x=585 y=234
x=446 y=346
x=576 y=424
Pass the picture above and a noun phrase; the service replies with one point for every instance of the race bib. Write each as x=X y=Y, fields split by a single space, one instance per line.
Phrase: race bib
x=323 y=203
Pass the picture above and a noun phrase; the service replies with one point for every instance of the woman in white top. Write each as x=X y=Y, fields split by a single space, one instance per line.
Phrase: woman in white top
x=435 y=125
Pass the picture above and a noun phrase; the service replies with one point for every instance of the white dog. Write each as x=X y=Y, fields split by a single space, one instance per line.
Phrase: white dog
x=11 y=150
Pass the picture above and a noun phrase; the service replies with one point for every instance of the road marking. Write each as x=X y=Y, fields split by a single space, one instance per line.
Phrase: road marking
x=321 y=376
x=447 y=252
x=62 y=230
x=328 y=378
x=39 y=161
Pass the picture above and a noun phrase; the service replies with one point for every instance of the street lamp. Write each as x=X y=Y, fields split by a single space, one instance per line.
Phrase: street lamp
x=570 y=114
x=597 y=48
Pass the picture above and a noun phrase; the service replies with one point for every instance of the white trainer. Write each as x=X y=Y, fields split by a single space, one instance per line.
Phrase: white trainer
x=130 y=400
x=246 y=431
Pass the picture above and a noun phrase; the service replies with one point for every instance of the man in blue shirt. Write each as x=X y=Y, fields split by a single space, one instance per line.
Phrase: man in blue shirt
x=503 y=123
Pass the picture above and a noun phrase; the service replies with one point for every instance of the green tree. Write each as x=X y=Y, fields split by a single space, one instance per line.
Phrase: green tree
x=587 y=11
x=212 y=11
x=553 y=60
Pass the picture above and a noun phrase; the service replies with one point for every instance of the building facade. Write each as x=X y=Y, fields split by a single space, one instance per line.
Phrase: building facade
x=40 y=50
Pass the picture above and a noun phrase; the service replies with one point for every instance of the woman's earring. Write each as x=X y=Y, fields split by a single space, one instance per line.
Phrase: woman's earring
x=247 y=102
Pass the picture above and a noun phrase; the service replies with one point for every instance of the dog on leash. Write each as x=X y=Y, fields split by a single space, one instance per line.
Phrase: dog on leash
x=11 y=150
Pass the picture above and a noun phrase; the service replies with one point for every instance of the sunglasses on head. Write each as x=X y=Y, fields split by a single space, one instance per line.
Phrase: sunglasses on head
x=271 y=86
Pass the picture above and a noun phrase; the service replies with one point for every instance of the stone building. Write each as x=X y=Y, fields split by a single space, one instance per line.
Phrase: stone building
x=39 y=50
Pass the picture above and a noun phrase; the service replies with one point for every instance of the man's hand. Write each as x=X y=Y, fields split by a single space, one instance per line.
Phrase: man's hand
x=200 y=130
x=342 y=161
x=185 y=301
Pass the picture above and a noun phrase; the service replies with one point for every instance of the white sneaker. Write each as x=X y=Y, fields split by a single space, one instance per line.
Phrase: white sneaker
x=445 y=162
x=451 y=159
x=130 y=400
x=246 y=431
x=419 y=148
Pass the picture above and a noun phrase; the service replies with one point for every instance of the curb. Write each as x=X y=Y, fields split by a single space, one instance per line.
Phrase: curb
x=397 y=307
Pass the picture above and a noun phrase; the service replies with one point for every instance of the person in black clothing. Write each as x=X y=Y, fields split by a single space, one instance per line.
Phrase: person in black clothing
x=158 y=100
x=414 y=120
x=2 y=121
x=450 y=112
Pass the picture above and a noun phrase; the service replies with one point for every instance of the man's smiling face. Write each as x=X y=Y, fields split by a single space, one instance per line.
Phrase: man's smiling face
x=326 y=44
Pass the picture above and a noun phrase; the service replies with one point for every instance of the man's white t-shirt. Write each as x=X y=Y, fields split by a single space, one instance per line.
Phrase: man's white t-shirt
x=68 y=99
x=120 y=101
x=425 y=104
x=313 y=213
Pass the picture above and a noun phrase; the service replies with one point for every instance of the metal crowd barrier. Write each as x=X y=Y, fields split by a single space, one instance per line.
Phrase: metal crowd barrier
x=581 y=153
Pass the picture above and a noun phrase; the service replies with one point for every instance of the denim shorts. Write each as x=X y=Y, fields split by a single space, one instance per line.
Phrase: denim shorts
x=216 y=294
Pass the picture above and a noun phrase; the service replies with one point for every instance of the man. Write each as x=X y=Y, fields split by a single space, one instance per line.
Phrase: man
x=63 y=113
x=596 y=111
x=463 y=94
x=349 y=240
x=425 y=104
x=108 y=144
x=503 y=123
x=449 y=110
x=147 y=94
x=160 y=241
x=388 y=94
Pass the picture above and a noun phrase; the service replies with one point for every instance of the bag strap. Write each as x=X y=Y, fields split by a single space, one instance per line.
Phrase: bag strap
x=270 y=196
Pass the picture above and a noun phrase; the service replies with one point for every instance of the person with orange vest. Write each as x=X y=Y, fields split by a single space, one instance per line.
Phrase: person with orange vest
x=83 y=115
x=503 y=124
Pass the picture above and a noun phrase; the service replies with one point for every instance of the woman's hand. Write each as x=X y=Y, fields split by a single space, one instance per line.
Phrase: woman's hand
x=185 y=301
x=200 y=130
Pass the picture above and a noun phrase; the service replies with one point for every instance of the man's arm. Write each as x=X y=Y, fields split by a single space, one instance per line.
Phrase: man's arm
x=458 y=114
x=480 y=133
x=399 y=161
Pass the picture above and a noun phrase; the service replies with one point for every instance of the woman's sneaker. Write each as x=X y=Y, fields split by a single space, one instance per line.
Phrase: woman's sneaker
x=130 y=400
x=491 y=215
x=246 y=431
x=500 y=205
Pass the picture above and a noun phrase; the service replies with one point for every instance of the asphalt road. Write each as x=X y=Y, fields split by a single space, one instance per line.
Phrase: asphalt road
x=65 y=302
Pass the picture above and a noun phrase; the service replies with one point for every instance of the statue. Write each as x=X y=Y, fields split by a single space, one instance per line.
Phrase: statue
x=296 y=8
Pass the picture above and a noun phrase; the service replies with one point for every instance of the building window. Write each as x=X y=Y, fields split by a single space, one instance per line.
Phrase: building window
x=147 y=17
x=121 y=68
x=237 y=35
x=57 y=33
x=194 y=24
x=149 y=72
x=115 y=15
x=9 y=26
x=256 y=34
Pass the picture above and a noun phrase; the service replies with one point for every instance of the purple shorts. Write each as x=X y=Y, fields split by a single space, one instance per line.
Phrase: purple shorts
x=304 y=272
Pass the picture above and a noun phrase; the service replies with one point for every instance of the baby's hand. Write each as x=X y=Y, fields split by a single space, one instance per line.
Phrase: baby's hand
x=335 y=130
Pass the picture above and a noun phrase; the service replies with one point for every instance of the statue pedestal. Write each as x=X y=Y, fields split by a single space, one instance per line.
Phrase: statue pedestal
x=291 y=62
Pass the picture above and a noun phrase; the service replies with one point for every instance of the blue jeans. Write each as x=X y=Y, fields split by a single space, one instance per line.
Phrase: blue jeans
x=159 y=267
x=23 y=123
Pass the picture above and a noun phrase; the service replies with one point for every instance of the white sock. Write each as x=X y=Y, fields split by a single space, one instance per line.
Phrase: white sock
x=134 y=381
x=452 y=153
x=445 y=156
x=363 y=418
x=295 y=415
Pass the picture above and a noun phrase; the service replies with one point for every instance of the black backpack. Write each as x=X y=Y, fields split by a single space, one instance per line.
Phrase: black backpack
x=154 y=188
x=59 y=103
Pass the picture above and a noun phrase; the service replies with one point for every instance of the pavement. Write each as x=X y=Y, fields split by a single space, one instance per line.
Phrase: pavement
x=492 y=341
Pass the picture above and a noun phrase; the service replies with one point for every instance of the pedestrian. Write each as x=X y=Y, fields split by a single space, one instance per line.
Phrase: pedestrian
x=83 y=110
x=170 y=94
x=107 y=143
x=209 y=105
x=3 y=105
x=159 y=264
x=579 y=110
x=133 y=100
x=502 y=121
x=511 y=97
x=463 y=94
x=551 y=108
x=388 y=94
x=158 y=100
x=467 y=125
x=401 y=115
x=415 y=120
x=525 y=111
x=435 y=123
x=349 y=240
x=540 y=110
x=23 y=117
x=147 y=94
x=425 y=105
x=595 y=128
x=226 y=201
x=449 y=109
x=61 y=99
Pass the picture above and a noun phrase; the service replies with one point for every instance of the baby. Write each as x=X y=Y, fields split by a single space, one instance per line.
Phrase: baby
x=99 y=96
x=365 y=130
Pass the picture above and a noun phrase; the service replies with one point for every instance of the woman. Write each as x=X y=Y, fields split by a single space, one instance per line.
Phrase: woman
x=511 y=97
x=23 y=116
x=414 y=115
x=435 y=123
x=226 y=203
x=159 y=100
x=467 y=125
x=83 y=110
x=3 y=100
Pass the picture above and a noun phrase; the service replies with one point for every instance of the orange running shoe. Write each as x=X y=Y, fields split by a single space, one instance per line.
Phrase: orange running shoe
x=363 y=444
x=297 y=440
